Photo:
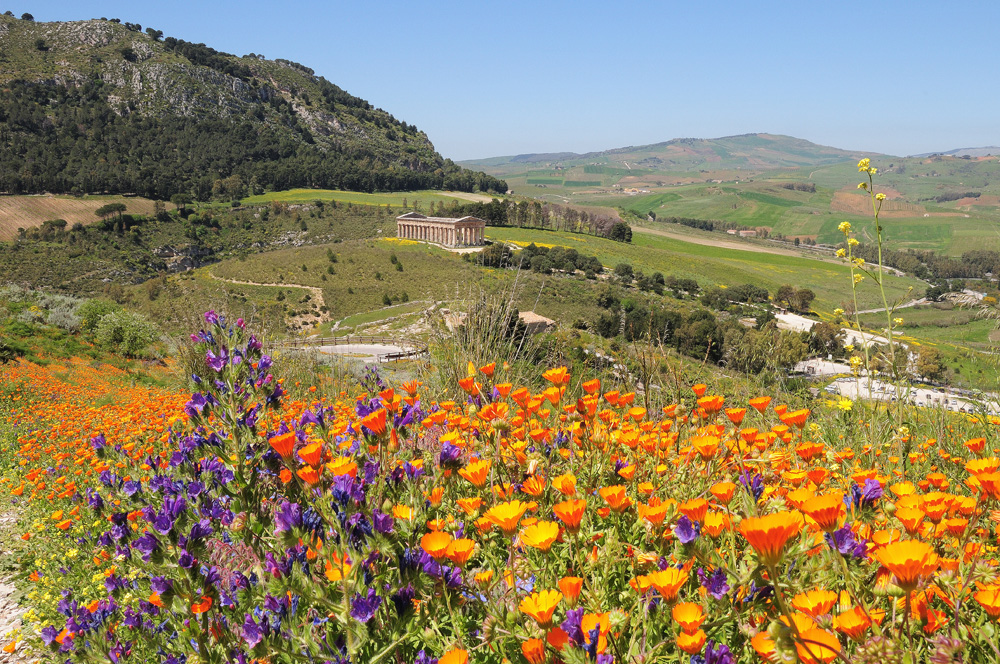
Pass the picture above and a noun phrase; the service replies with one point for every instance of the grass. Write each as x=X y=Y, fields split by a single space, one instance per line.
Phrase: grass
x=30 y=211
x=712 y=266
x=392 y=199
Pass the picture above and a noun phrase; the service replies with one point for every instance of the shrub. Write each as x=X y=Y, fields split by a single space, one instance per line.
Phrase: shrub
x=127 y=333
x=92 y=311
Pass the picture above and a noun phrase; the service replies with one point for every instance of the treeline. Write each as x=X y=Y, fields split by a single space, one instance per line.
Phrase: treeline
x=704 y=224
x=533 y=214
x=975 y=264
x=70 y=140
x=944 y=198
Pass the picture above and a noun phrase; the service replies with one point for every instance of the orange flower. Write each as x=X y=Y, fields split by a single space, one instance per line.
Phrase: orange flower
x=689 y=616
x=817 y=646
x=760 y=404
x=796 y=417
x=506 y=515
x=668 y=582
x=910 y=561
x=616 y=497
x=201 y=607
x=853 y=623
x=565 y=484
x=989 y=599
x=460 y=550
x=695 y=509
x=570 y=587
x=308 y=475
x=723 y=491
x=602 y=621
x=534 y=651
x=312 y=454
x=826 y=510
x=540 y=606
x=570 y=512
x=815 y=603
x=699 y=389
x=470 y=505
x=375 y=421
x=558 y=376
x=592 y=386
x=762 y=642
x=456 y=656
x=283 y=444
x=692 y=643
x=476 y=471
x=436 y=544
x=540 y=535
x=769 y=534
x=736 y=415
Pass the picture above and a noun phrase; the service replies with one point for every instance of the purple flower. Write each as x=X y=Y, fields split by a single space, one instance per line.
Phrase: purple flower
x=287 y=516
x=196 y=404
x=718 y=654
x=363 y=607
x=383 y=523
x=451 y=456
x=686 y=530
x=715 y=583
x=98 y=441
x=424 y=658
x=754 y=484
x=864 y=496
x=573 y=626
x=252 y=632
x=211 y=317
x=403 y=599
x=147 y=545
x=240 y=323
x=843 y=540
x=217 y=362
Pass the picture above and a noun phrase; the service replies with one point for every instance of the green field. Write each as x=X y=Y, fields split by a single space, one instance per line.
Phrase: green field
x=393 y=199
x=717 y=266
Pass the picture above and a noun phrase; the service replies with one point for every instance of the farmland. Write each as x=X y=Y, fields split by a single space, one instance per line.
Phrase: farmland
x=30 y=211
x=396 y=199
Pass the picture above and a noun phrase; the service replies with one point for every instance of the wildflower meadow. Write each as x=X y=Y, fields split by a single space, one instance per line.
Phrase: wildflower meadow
x=505 y=523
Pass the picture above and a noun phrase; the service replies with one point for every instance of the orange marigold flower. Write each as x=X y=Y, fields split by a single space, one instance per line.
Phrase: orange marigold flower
x=506 y=515
x=668 y=582
x=691 y=643
x=815 y=603
x=540 y=606
x=762 y=642
x=853 y=623
x=202 y=606
x=592 y=386
x=308 y=475
x=695 y=509
x=460 y=550
x=689 y=616
x=470 y=505
x=817 y=646
x=558 y=376
x=616 y=497
x=796 y=417
x=312 y=453
x=723 y=491
x=736 y=415
x=436 y=544
x=571 y=587
x=534 y=651
x=699 y=389
x=565 y=484
x=760 y=404
x=570 y=512
x=375 y=421
x=989 y=599
x=769 y=534
x=910 y=561
x=283 y=444
x=455 y=656
x=540 y=535
x=477 y=472
x=827 y=510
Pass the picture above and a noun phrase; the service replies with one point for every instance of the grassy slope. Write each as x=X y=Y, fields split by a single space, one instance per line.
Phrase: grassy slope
x=712 y=265
x=394 y=199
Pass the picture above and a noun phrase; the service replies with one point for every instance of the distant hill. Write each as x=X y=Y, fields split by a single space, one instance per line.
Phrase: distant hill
x=102 y=106
x=990 y=150
x=747 y=151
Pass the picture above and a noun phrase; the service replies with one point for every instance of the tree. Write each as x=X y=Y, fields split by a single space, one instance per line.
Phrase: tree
x=40 y=45
x=126 y=333
x=110 y=210
x=827 y=339
x=624 y=273
x=802 y=300
x=155 y=35
x=181 y=201
x=495 y=255
x=929 y=363
x=621 y=232
x=10 y=351
x=27 y=17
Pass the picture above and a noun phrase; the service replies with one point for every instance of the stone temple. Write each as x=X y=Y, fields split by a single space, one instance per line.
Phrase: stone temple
x=464 y=232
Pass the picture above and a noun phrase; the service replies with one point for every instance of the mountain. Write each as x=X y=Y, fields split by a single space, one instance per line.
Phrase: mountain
x=101 y=106
x=988 y=151
x=747 y=151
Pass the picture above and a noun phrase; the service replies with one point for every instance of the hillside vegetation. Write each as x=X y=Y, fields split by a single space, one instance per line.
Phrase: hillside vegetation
x=99 y=106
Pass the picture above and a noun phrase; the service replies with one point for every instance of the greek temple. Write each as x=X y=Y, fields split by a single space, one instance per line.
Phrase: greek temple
x=464 y=232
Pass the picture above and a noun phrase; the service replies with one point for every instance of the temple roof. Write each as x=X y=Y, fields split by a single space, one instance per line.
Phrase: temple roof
x=416 y=216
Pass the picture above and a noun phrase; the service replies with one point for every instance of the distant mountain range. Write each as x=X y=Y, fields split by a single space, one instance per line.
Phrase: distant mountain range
x=103 y=106
x=987 y=151
x=746 y=152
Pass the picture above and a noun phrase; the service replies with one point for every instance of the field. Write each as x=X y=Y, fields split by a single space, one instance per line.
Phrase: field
x=392 y=199
x=30 y=211
x=383 y=506
x=712 y=266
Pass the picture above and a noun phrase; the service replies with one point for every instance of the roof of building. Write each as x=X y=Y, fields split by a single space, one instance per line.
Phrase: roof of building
x=416 y=216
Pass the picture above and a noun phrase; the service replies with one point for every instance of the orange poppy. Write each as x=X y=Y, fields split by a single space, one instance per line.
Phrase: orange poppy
x=769 y=534
x=283 y=444
x=506 y=515
x=570 y=587
x=534 y=651
x=540 y=535
x=570 y=512
x=689 y=616
x=910 y=561
x=540 y=606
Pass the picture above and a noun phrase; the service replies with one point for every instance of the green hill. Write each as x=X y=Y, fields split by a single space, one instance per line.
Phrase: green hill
x=101 y=106
x=746 y=152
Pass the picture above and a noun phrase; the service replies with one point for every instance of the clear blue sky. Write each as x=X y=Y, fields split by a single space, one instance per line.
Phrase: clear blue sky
x=487 y=79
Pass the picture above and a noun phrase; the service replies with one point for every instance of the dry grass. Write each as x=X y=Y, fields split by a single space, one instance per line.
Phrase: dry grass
x=854 y=203
x=30 y=211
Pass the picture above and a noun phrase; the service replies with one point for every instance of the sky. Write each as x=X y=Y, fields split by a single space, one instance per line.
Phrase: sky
x=502 y=78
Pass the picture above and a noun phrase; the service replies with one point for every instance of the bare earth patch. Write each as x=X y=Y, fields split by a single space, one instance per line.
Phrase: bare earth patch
x=30 y=211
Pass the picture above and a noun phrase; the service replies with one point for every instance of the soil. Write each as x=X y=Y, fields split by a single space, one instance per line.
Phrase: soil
x=10 y=608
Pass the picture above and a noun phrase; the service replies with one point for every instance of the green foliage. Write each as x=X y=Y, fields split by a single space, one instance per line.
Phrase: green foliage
x=92 y=311
x=126 y=333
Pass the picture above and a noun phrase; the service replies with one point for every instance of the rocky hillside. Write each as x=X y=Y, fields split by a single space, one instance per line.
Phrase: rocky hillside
x=104 y=106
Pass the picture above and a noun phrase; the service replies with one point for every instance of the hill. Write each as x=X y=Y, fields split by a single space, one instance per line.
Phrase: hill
x=745 y=152
x=100 y=106
x=987 y=151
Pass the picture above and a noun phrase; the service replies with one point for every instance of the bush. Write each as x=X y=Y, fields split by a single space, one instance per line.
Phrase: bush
x=126 y=333
x=92 y=311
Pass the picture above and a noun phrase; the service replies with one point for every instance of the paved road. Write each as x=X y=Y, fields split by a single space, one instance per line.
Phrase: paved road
x=360 y=352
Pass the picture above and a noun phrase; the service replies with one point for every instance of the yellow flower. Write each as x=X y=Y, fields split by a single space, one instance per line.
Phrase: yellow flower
x=860 y=262
x=845 y=404
x=841 y=253
x=880 y=197
x=838 y=312
x=863 y=185
x=897 y=321
x=853 y=242
x=844 y=227
x=858 y=278
x=864 y=164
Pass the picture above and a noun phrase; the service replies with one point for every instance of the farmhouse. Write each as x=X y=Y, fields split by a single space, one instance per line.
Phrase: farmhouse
x=464 y=232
